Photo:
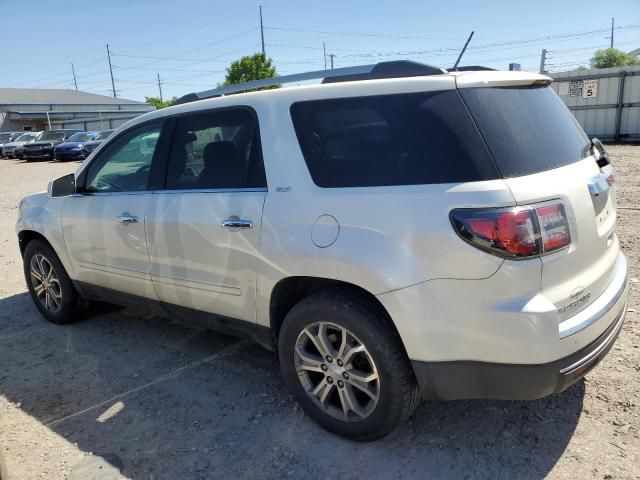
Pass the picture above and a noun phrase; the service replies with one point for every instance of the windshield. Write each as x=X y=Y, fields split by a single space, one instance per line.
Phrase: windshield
x=81 y=137
x=103 y=135
x=52 y=135
x=25 y=137
x=527 y=129
x=5 y=137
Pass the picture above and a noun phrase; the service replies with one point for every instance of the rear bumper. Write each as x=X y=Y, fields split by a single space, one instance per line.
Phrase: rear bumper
x=459 y=380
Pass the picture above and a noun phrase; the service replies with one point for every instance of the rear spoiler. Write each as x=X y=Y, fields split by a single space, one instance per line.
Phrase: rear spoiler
x=500 y=79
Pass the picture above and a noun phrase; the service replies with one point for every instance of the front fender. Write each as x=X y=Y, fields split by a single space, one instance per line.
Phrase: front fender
x=40 y=213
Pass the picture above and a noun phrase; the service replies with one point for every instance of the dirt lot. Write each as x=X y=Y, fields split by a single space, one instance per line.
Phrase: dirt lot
x=125 y=395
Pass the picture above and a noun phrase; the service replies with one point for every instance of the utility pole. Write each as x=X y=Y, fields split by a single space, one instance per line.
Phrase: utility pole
x=324 y=51
x=74 y=76
x=261 y=31
x=612 y=22
x=331 y=55
x=543 y=60
x=160 y=87
x=113 y=85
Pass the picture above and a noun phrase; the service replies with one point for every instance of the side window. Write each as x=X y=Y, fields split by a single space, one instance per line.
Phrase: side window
x=216 y=150
x=400 y=139
x=125 y=164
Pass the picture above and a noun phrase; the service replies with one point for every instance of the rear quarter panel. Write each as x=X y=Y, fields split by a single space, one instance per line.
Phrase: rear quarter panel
x=389 y=237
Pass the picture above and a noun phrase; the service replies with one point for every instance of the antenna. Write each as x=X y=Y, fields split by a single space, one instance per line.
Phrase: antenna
x=464 y=49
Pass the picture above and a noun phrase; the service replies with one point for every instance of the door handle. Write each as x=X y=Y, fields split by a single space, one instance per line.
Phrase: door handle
x=235 y=223
x=126 y=219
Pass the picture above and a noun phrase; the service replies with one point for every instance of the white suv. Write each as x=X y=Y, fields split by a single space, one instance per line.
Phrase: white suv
x=397 y=230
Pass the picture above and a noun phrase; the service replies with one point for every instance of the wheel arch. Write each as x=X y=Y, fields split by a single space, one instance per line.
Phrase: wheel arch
x=291 y=290
x=27 y=236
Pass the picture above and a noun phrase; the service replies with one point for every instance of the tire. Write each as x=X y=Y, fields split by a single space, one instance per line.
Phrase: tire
x=367 y=325
x=64 y=304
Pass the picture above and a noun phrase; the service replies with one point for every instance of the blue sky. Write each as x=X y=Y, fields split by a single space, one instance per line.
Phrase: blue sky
x=191 y=42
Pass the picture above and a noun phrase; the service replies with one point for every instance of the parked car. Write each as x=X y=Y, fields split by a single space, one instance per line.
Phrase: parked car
x=74 y=147
x=14 y=149
x=91 y=146
x=7 y=137
x=43 y=147
x=444 y=234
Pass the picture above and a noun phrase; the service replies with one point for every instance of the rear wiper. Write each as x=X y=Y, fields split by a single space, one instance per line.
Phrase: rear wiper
x=602 y=157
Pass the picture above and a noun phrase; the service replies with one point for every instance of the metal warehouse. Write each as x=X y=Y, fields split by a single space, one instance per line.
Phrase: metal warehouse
x=45 y=109
x=606 y=101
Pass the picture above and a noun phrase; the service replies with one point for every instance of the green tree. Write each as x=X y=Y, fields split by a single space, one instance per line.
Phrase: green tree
x=611 y=57
x=250 y=67
x=156 y=102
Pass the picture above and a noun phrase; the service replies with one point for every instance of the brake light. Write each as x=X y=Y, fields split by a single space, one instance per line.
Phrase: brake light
x=517 y=232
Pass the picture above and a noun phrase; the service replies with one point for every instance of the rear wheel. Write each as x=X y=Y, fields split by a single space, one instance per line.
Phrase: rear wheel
x=346 y=366
x=49 y=285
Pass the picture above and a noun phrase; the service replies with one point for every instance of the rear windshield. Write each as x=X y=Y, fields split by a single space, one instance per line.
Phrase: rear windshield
x=527 y=130
x=403 y=139
x=5 y=137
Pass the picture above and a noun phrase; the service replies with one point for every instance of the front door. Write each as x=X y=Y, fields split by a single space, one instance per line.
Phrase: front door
x=103 y=225
x=203 y=230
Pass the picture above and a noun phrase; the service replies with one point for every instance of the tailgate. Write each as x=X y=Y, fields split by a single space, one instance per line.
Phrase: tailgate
x=574 y=277
x=543 y=154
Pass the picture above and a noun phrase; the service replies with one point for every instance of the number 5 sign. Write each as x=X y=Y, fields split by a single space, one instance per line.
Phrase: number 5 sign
x=590 y=88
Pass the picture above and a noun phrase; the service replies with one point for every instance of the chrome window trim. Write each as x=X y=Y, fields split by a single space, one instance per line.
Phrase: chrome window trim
x=211 y=190
x=172 y=192
x=108 y=194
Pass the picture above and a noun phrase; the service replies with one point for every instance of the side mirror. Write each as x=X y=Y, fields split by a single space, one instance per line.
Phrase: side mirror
x=63 y=186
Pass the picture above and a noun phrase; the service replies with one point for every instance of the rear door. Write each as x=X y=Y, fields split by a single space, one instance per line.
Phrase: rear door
x=204 y=227
x=543 y=154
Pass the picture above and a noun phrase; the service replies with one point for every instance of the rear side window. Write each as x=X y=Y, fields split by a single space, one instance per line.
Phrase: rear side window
x=402 y=139
x=527 y=130
x=216 y=150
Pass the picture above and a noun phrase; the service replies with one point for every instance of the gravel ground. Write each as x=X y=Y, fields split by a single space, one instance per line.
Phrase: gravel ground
x=123 y=395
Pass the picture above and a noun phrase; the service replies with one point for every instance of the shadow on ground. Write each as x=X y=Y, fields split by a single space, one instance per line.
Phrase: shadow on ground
x=156 y=398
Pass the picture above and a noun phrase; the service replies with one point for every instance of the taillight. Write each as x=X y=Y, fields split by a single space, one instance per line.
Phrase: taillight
x=554 y=227
x=515 y=232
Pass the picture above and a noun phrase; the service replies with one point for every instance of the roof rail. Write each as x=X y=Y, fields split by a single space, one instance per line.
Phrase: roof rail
x=394 y=69
x=472 y=68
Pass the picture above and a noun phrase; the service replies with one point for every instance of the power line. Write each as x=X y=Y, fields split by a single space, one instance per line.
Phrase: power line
x=186 y=52
x=355 y=34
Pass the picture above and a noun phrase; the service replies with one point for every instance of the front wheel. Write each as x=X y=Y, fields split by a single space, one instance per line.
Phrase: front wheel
x=345 y=364
x=49 y=285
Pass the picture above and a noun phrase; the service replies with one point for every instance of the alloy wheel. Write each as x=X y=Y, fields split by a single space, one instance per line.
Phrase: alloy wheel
x=45 y=283
x=337 y=371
